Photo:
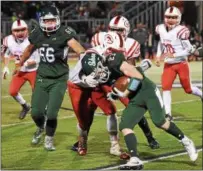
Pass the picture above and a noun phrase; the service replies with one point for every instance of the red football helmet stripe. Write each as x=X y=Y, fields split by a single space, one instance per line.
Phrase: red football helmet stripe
x=18 y=23
x=117 y=20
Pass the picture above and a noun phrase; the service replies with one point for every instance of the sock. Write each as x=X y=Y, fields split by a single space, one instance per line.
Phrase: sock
x=167 y=101
x=131 y=143
x=51 y=127
x=112 y=127
x=82 y=133
x=143 y=124
x=197 y=92
x=175 y=131
x=39 y=121
x=19 y=99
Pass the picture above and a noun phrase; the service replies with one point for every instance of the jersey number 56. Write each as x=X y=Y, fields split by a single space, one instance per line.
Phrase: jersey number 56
x=47 y=54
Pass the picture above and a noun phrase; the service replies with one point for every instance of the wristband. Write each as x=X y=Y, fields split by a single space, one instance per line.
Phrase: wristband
x=134 y=84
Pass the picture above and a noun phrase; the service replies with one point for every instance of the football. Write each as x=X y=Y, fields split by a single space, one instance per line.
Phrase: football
x=122 y=83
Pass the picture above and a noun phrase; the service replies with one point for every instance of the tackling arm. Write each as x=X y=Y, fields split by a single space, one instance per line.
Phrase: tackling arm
x=76 y=46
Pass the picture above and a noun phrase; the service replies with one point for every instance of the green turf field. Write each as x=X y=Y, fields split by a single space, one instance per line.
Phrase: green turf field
x=18 y=154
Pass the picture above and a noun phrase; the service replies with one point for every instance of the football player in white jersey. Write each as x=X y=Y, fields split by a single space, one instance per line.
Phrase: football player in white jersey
x=132 y=50
x=174 y=47
x=15 y=45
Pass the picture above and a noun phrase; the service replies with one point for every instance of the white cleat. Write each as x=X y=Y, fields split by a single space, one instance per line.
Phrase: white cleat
x=190 y=148
x=115 y=149
x=48 y=143
x=133 y=164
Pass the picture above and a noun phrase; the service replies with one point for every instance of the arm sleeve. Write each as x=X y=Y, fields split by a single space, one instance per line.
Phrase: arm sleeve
x=70 y=33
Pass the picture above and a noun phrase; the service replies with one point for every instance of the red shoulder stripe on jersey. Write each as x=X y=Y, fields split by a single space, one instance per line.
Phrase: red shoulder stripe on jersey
x=93 y=41
x=98 y=43
x=135 y=50
x=131 y=48
x=117 y=20
x=182 y=30
x=186 y=35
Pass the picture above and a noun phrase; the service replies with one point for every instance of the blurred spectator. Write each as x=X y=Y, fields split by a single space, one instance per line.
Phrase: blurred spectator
x=150 y=43
x=140 y=34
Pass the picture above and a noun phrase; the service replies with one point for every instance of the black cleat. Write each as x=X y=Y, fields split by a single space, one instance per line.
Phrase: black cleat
x=75 y=147
x=153 y=143
x=25 y=110
x=169 y=117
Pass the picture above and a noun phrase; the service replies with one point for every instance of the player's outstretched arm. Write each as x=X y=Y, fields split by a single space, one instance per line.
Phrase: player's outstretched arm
x=76 y=46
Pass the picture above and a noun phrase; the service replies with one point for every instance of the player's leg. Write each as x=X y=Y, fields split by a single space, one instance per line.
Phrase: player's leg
x=56 y=95
x=16 y=83
x=130 y=117
x=31 y=77
x=185 y=80
x=167 y=79
x=156 y=110
x=39 y=102
x=80 y=99
x=108 y=107
x=143 y=124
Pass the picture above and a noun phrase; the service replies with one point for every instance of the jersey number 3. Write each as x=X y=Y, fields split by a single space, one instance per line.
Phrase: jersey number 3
x=47 y=54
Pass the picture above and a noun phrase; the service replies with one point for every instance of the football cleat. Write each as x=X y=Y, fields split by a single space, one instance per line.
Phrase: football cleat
x=124 y=156
x=82 y=146
x=37 y=136
x=48 y=143
x=190 y=148
x=153 y=143
x=115 y=149
x=24 y=111
x=75 y=147
x=133 y=164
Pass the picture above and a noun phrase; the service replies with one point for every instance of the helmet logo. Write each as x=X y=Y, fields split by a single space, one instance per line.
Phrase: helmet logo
x=126 y=23
x=109 y=39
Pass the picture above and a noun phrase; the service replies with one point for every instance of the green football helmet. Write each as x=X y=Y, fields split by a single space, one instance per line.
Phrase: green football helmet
x=47 y=17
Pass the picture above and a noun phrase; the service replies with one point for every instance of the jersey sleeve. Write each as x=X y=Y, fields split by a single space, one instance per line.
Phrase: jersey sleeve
x=115 y=61
x=70 y=33
x=183 y=33
x=34 y=35
x=157 y=29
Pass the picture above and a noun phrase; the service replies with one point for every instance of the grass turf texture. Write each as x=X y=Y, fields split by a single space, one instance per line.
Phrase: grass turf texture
x=18 y=153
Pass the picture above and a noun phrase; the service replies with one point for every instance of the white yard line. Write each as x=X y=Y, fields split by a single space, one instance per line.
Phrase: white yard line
x=152 y=160
x=97 y=114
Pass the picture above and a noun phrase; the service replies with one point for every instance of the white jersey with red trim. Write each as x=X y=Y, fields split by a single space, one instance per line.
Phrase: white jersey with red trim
x=16 y=49
x=132 y=47
x=174 y=41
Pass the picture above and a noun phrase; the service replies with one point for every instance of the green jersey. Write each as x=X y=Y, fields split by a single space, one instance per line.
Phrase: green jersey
x=114 y=63
x=53 y=51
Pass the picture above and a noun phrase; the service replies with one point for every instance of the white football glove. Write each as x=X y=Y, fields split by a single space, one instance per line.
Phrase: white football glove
x=111 y=96
x=145 y=64
x=90 y=80
x=5 y=72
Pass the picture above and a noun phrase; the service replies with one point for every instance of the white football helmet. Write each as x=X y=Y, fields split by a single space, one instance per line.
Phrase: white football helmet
x=121 y=25
x=113 y=42
x=19 y=30
x=172 y=17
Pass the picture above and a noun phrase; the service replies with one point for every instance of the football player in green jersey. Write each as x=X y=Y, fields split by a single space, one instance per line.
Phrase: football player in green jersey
x=144 y=95
x=52 y=40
